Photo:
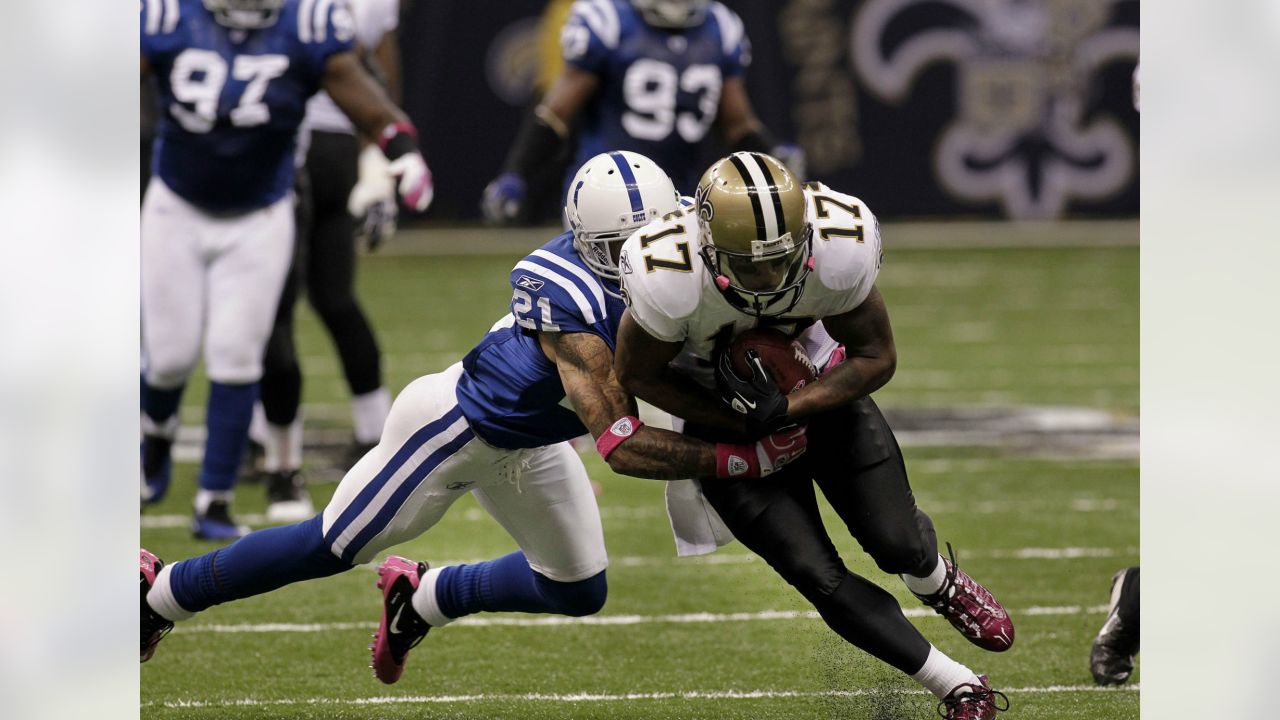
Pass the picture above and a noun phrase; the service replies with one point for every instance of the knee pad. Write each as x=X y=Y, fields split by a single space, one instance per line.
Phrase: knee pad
x=575 y=599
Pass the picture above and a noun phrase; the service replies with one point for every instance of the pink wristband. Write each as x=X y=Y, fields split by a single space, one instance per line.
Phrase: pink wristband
x=621 y=431
x=394 y=129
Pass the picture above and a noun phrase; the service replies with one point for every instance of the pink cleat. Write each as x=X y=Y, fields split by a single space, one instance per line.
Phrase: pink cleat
x=971 y=609
x=401 y=629
x=154 y=627
x=973 y=702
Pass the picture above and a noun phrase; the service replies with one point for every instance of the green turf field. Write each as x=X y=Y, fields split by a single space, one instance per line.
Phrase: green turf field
x=722 y=636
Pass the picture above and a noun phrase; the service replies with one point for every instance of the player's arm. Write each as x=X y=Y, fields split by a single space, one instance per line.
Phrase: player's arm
x=870 y=362
x=585 y=364
x=387 y=57
x=539 y=140
x=358 y=95
x=643 y=367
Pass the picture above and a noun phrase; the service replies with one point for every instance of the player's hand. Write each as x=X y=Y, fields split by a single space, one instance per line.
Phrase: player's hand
x=758 y=397
x=793 y=157
x=377 y=224
x=504 y=198
x=416 y=187
x=769 y=455
x=373 y=200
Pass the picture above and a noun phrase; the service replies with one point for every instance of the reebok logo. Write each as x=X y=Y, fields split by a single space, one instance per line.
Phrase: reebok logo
x=530 y=283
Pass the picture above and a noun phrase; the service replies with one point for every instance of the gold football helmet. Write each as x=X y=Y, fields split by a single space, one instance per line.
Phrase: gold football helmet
x=755 y=238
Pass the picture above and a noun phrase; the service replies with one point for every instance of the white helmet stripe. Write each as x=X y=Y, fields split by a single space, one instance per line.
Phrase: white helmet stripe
x=761 y=184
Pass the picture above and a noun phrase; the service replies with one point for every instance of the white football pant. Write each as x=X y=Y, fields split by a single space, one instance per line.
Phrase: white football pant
x=428 y=457
x=212 y=279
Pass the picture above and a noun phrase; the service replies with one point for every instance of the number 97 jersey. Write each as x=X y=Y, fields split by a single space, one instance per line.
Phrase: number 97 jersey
x=659 y=89
x=232 y=100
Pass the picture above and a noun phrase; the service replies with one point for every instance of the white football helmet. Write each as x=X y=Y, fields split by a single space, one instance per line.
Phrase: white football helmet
x=672 y=14
x=611 y=196
x=245 y=14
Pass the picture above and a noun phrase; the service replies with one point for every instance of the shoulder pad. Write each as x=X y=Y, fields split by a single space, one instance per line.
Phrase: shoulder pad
x=554 y=282
x=662 y=275
x=319 y=21
x=160 y=17
x=732 y=31
x=601 y=18
x=846 y=240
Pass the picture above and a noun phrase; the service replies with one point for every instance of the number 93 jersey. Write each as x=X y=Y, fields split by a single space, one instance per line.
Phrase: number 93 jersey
x=509 y=391
x=232 y=100
x=659 y=89
x=670 y=293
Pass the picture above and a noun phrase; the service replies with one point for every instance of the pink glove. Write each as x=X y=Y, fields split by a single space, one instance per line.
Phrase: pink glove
x=764 y=458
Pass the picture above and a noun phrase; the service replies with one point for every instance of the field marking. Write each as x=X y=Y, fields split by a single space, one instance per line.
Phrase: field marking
x=586 y=697
x=606 y=620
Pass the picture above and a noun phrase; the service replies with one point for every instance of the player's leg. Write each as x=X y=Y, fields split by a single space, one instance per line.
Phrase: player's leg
x=331 y=260
x=251 y=257
x=279 y=426
x=779 y=521
x=1111 y=658
x=393 y=494
x=858 y=464
x=173 y=292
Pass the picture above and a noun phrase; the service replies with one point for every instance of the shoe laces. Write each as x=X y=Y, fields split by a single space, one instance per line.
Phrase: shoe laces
x=973 y=695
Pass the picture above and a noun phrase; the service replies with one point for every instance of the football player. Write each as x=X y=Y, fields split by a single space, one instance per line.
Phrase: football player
x=234 y=77
x=324 y=263
x=760 y=250
x=651 y=76
x=496 y=425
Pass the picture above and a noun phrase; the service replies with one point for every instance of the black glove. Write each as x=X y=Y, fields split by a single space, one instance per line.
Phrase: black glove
x=757 y=397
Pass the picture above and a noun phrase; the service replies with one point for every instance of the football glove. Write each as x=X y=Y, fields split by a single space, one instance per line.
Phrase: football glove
x=416 y=187
x=793 y=157
x=373 y=201
x=757 y=397
x=769 y=455
x=504 y=198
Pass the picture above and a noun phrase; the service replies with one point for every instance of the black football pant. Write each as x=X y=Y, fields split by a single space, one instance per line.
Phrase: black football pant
x=855 y=460
x=325 y=265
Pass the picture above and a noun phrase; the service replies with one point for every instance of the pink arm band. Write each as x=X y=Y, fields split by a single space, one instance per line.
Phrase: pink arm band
x=621 y=431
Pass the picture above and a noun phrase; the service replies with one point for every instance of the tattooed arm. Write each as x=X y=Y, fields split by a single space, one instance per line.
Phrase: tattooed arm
x=585 y=364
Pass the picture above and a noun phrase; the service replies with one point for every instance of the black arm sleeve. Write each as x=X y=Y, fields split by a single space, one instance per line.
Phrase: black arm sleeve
x=537 y=144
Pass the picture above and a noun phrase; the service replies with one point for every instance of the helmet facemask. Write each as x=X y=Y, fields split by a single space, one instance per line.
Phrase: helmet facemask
x=672 y=14
x=245 y=14
x=765 y=282
x=600 y=250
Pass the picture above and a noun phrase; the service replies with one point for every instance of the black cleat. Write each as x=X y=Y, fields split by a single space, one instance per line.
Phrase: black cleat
x=287 y=498
x=1111 y=660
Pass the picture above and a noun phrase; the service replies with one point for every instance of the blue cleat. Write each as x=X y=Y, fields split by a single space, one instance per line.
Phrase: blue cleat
x=216 y=523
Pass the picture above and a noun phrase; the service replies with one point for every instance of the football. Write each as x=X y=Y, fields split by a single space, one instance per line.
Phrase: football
x=784 y=358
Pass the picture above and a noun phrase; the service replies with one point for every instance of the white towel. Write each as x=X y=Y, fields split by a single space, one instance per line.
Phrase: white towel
x=697 y=527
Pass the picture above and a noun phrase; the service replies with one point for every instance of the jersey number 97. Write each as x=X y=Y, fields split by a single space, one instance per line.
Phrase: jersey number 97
x=199 y=76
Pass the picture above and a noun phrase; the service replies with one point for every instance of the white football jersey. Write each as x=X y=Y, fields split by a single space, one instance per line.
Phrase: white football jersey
x=373 y=20
x=672 y=295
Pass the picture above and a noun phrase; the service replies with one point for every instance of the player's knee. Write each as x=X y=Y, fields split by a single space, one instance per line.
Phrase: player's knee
x=901 y=551
x=234 y=364
x=333 y=304
x=575 y=599
x=168 y=370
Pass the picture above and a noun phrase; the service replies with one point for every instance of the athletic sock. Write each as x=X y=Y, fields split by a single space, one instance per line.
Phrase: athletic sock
x=227 y=418
x=929 y=584
x=940 y=674
x=205 y=497
x=256 y=563
x=506 y=584
x=369 y=412
x=160 y=598
x=258 y=425
x=424 y=600
x=160 y=406
x=282 y=450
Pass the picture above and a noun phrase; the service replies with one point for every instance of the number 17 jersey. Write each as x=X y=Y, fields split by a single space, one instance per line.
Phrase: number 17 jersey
x=232 y=100
x=659 y=89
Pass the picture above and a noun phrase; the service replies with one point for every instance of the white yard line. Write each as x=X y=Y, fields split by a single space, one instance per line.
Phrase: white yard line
x=586 y=697
x=604 y=620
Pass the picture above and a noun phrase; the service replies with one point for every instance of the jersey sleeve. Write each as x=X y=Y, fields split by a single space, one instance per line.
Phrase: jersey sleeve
x=590 y=35
x=847 y=248
x=651 y=303
x=327 y=30
x=551 y=296
x=159 y=25
x=374 y=20
x=734 y=44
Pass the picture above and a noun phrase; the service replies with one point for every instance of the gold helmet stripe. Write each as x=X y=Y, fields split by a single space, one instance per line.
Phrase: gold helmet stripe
x=753 y=193
x=773 y=191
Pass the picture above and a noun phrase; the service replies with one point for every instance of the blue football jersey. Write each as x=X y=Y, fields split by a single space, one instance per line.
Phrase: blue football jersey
x=232 y=100
x=659 y=89
x=510 y=392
